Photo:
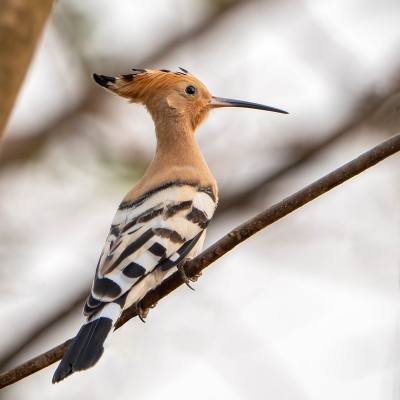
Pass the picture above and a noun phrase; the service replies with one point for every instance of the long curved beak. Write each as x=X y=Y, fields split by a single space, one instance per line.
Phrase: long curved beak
x=217 y=102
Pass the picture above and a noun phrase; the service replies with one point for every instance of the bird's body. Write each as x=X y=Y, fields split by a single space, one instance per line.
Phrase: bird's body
x=163 y=219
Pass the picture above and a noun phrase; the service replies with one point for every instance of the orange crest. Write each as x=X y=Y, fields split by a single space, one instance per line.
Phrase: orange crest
x=164 y=93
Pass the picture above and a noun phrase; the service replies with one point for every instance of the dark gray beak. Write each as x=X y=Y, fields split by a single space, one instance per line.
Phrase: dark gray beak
x=217 y=102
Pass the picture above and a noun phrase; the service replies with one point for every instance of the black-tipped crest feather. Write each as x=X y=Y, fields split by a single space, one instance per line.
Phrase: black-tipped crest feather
x=103 y=80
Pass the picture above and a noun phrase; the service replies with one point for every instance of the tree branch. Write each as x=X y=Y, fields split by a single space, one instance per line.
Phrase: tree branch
x=227 y=243
x=19 y=148
x=367 y=107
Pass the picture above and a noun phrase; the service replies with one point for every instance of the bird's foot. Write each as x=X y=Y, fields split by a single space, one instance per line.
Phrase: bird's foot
x=142 y=313
x=184 y=277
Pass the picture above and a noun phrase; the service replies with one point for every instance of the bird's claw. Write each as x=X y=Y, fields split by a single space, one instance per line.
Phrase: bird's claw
x=185 y=278
x=142 y=314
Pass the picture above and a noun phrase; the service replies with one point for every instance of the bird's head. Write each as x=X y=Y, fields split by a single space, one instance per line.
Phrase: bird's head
x=166 y=95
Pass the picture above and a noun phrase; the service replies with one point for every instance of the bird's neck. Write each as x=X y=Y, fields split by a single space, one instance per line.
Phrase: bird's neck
x=178 y=158
x=176 y=145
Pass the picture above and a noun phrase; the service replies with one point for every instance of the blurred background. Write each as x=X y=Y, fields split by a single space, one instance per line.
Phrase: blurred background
x=307 y=308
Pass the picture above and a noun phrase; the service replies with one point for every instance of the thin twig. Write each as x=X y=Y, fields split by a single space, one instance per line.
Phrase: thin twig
x=227 y=243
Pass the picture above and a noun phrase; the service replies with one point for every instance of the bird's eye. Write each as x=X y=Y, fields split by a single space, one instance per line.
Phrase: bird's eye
x=190 y=89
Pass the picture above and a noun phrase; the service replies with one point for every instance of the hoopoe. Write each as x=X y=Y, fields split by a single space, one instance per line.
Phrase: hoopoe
x=164 y=218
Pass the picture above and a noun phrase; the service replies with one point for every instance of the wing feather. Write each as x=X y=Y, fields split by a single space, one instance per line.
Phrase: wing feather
x=158 y=232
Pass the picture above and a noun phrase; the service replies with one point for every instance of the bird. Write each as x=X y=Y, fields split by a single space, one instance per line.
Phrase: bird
x=163 y=219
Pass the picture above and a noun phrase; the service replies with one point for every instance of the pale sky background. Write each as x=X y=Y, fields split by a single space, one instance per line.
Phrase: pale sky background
x=306 y=309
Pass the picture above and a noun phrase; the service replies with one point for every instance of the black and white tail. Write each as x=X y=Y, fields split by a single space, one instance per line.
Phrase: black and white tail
x=87 y=348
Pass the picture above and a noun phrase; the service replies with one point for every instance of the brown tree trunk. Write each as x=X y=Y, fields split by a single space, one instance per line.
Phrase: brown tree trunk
x=21 y=23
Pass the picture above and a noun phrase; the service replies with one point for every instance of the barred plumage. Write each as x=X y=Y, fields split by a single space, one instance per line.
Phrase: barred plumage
x=141 y=241
x=164 y=218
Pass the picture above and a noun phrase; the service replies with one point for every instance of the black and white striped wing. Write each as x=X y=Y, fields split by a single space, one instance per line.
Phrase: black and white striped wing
x=156 y=232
